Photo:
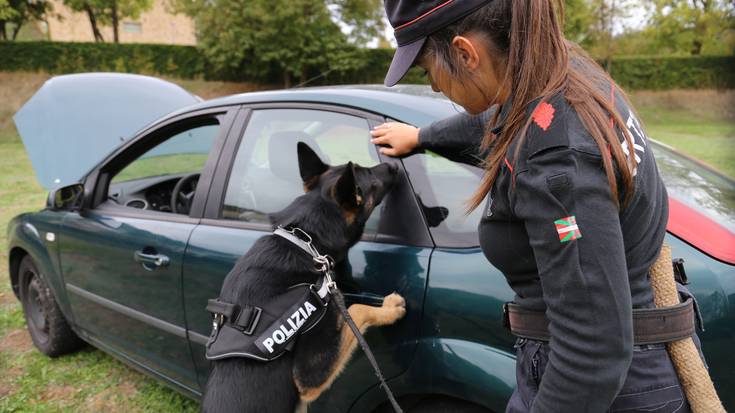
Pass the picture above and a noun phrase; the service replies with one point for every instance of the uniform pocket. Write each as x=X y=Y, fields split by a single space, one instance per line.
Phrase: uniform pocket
x=664 y=400
x=651 y=385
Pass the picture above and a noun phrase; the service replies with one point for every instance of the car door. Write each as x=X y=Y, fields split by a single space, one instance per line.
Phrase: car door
x=122 y=258
x=257 y=175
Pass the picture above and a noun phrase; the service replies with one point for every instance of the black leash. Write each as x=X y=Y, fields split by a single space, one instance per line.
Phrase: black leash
x=325 y=264
x=340 y=300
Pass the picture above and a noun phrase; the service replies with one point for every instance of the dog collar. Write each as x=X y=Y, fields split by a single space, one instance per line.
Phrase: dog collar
x=323 y=263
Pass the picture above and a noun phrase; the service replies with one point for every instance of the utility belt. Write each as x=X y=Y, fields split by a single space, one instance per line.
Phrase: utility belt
x=650 y=325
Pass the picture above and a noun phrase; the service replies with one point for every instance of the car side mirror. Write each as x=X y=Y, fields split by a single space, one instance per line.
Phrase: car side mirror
x=68 y=198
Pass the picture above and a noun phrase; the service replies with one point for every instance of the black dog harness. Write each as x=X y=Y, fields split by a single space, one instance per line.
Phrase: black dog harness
x=255 y=333
x=266 y=333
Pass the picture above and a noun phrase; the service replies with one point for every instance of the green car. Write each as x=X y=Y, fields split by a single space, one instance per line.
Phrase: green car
x=154 y=194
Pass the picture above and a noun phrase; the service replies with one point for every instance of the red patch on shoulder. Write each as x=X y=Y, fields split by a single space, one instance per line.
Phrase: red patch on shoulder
x=543 y=115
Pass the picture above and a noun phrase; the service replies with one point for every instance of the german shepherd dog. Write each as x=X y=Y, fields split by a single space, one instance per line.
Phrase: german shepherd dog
x=337 y=202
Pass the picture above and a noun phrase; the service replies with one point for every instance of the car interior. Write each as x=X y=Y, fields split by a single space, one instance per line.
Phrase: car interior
x=164 y=178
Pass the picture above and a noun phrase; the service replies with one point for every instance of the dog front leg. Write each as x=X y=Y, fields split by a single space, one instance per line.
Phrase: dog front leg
x=364 y=316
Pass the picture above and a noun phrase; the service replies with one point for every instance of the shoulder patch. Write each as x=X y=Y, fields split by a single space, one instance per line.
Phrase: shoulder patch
x=548 y=128
x=543 y=115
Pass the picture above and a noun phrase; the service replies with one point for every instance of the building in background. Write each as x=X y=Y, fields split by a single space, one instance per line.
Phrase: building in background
x=157 y=25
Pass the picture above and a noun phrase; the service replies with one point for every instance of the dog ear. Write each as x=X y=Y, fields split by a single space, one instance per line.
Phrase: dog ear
x=310 y=165
x=346 y=192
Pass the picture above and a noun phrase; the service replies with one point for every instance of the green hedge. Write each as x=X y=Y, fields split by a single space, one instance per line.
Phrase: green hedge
x=686 y=72
x=188 y=62
x=63 y=57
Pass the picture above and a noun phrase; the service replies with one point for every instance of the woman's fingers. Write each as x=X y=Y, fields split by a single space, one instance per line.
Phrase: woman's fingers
x=389 y=151
x=399 y=138
x=379 y=140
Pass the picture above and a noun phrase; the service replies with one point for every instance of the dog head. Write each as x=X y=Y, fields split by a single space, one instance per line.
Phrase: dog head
x=355 y=190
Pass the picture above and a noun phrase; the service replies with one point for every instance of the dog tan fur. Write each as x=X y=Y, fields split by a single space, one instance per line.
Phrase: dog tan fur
x=364 y=316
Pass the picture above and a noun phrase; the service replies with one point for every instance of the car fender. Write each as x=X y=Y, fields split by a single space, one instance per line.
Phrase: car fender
x=36 y=234
x=460 y=369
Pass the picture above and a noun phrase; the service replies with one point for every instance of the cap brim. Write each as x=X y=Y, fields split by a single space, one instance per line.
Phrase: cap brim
x=402 y=61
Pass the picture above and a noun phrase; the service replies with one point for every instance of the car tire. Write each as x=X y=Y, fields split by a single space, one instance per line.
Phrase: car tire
x=49 y=330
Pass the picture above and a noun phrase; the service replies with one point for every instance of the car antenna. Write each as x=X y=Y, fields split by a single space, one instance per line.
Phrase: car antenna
x=306 y=82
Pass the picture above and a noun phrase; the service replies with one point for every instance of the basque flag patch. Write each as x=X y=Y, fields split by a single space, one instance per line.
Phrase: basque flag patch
x=567 y=229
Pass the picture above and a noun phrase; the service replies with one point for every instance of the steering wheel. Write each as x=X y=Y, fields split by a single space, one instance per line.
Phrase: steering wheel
x=183 y=193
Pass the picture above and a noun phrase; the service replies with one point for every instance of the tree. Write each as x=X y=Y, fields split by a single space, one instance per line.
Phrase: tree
x=363 y=17
x=109 y=13
x=19 y=12
x=92 y=10
x=291 y=38
x=608 y=17
x=578 y=22
x=693 y=26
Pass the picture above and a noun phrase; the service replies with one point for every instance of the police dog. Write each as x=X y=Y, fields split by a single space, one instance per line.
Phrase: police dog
x=337 y=202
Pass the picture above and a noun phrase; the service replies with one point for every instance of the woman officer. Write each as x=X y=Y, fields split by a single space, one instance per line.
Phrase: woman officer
x=575 y=210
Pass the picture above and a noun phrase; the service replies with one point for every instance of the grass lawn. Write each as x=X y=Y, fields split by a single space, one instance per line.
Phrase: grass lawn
x=698 y=123
x=701 y=125
x=88 y=381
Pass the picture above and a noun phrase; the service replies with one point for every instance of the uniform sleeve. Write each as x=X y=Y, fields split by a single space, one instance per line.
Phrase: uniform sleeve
x=457 y=137
x=564 y=199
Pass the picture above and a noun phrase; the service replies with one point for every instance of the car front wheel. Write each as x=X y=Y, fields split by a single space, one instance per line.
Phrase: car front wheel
x=49 y=330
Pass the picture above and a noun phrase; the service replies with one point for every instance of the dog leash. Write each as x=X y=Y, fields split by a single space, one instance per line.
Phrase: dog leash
x=339 y=299
x=325 y=264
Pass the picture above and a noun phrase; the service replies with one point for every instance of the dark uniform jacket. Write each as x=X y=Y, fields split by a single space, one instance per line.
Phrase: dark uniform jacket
x=551 y=226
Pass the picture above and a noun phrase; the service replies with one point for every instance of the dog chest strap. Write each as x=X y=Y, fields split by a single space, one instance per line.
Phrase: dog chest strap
x=266 y=333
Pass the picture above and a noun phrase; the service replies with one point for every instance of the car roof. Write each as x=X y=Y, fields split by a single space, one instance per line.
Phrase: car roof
x=414 y=104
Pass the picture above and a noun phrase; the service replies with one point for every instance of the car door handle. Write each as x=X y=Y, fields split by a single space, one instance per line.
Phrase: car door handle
x=151 y=259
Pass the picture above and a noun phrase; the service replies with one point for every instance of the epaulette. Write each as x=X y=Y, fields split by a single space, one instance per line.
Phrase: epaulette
x=548 y=128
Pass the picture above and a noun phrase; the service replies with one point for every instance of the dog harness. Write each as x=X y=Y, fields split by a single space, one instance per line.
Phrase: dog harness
x=252 y=332
x=267 y=333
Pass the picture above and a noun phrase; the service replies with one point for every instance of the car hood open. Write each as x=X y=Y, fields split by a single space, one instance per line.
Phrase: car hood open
x=74 y=121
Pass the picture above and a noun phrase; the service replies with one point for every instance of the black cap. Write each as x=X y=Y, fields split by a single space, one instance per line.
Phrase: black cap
x=413 y=21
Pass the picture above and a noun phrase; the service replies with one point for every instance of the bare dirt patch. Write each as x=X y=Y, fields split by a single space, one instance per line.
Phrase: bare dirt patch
x=710 y=104
x=111 y=399
x=7 y=298
x=5 y=389
x=55 y=393
x=15 y=89
x=16 y=341
x=6 y=380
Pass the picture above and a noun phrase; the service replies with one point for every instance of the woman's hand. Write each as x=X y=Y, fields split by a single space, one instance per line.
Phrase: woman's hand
x=399 y=138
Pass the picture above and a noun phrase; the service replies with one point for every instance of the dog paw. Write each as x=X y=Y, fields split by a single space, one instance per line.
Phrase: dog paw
x=394 y=300
x=394 y=308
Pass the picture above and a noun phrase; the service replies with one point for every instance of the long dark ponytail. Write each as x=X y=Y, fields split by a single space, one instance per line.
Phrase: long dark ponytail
x=527 y=36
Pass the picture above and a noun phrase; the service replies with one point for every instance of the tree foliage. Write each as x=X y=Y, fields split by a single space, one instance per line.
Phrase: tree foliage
x=289 y=37
x=108 y=13
x=363 y=17
x=6 y=12
x=16 y=13
x=579 y=21
x=692 y=26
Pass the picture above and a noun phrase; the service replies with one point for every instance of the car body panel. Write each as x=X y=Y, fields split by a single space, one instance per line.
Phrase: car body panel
x=451 y=343
x=136 y=310
x=73 y=121
x=713 y=284
x=702 y=203
x=463 y=370
x=378 y=269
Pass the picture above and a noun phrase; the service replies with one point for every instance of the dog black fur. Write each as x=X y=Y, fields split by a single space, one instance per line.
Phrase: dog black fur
x=337 y=202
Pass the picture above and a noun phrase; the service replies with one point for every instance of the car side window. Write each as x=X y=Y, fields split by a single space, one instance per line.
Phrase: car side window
x=443 y=187
x=150 y=179
x=265 y=174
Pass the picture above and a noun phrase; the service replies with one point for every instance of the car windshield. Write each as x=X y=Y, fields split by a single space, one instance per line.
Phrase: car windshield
x=698 y=187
